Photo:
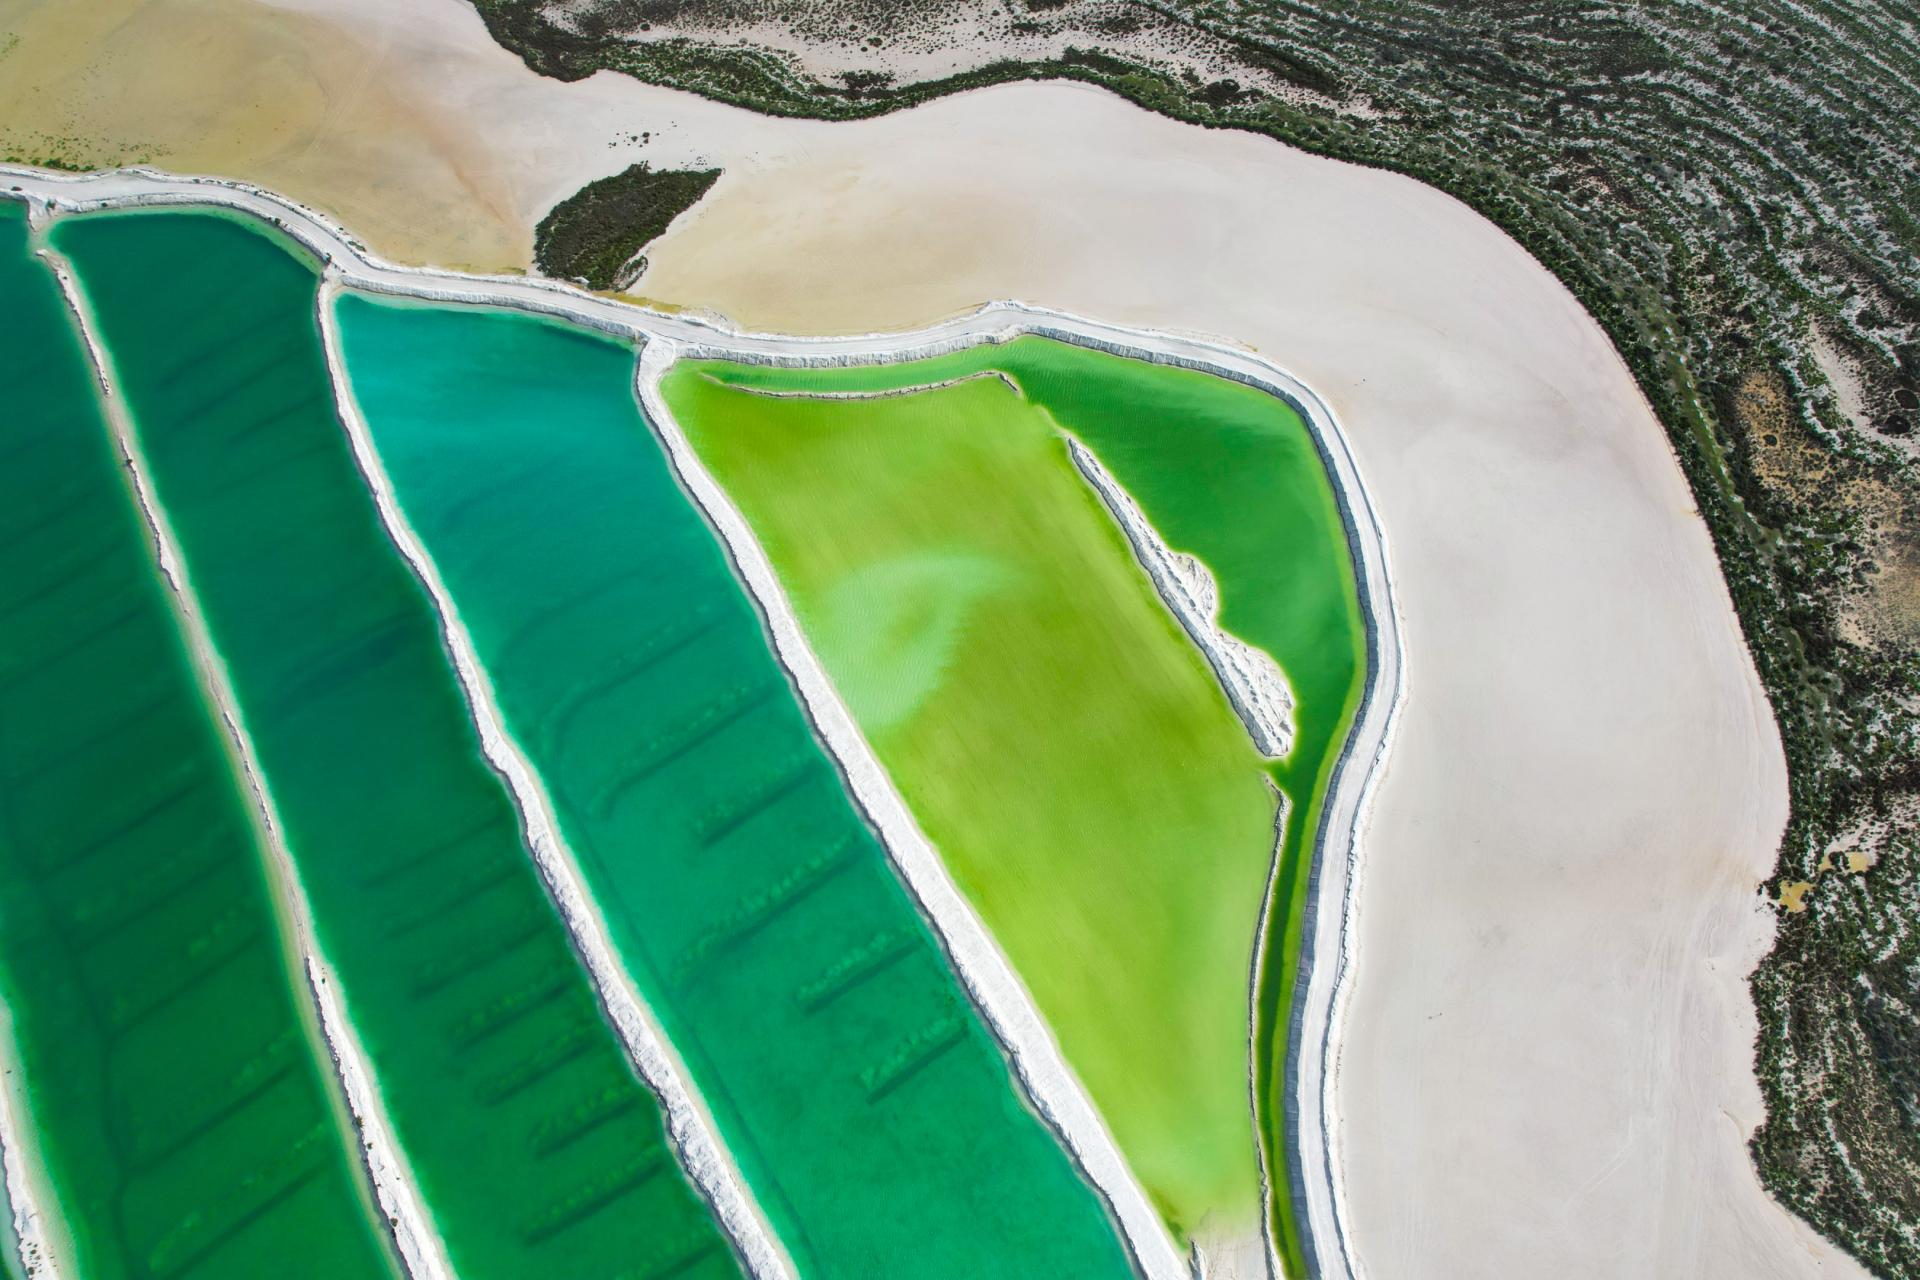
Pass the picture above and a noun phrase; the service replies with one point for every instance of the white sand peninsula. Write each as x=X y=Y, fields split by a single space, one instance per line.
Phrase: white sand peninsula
x=1546 y=1065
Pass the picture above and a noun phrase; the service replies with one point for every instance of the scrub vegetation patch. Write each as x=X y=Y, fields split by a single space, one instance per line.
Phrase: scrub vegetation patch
x=596 y=235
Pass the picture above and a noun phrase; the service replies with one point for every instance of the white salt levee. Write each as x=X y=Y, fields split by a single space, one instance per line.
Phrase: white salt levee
x=26 y=1196
x=989 y=978
x=1253 y=681
x=690 y=1127
x=420 y=1246
x=421 y=1250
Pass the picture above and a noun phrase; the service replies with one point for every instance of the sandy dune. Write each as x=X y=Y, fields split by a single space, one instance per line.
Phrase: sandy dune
x=1546 y=1068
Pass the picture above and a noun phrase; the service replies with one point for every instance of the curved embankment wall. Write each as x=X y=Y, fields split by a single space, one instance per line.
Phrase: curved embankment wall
x=1327 y=956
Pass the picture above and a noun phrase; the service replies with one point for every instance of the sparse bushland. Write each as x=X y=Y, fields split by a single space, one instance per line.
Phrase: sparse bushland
x=596 y=234
x=1727 y=185
x=68 y=152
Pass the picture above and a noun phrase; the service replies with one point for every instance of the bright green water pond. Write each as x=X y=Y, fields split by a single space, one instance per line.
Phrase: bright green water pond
x=875 y=1121
x=174 y=1090
x=174 y=1079
x=1226 y=473
x=537 y=1149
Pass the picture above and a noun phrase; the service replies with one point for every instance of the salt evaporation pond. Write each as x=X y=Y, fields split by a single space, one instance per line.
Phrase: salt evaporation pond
x=536 y=1147
x=875 y=1121
x=172 y=1084
x=1022 y=717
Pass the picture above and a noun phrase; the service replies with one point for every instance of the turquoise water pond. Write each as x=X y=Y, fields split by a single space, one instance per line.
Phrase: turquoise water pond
x=876 y=1122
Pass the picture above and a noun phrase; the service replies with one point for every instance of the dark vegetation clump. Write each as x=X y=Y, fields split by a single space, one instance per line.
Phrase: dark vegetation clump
x=596 y=234
x=860 y=84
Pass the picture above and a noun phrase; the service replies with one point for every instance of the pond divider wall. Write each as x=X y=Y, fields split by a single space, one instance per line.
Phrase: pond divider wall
x=689 y=1127
x=1319 y=997
x=1251 y=679
x=411 y=1228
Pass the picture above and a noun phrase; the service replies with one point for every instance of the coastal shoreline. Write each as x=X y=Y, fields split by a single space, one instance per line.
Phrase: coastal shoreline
x=1327 y=959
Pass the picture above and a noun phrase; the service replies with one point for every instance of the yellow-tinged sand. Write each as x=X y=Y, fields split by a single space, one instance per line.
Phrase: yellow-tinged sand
x=234 y=89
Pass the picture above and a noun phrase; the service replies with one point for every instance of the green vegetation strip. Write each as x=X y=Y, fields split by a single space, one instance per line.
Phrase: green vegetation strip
x=457 y=971
x=873 y=1118
x=173 y=1085
x=1053 y=729
x=596 y=234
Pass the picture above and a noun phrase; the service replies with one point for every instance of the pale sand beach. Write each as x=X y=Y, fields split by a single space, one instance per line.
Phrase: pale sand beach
x=1546 y=1050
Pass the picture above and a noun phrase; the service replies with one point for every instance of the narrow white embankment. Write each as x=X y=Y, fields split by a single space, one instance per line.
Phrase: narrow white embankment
x=989 y=977
x=1253 y=681
x=1264 y=1243
x=27 y=1197
x=1314 y=1172
x=881 y=393
x=690 y=1126
x=421 y=1249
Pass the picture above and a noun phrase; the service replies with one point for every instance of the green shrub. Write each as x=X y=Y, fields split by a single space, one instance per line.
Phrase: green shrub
x=596 y=234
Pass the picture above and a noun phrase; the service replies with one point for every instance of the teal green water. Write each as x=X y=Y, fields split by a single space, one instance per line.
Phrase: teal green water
x=175 y=1093
x=876 y=1122
x=538 y=1150
x=1232 y=476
